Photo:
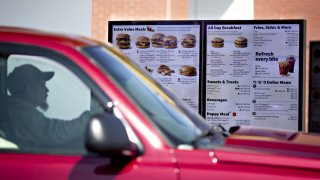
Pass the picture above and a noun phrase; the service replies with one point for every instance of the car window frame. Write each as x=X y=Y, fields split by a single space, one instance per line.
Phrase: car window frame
x=66 y=62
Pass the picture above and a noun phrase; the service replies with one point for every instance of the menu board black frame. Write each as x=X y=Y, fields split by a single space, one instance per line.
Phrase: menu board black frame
x=203 y=51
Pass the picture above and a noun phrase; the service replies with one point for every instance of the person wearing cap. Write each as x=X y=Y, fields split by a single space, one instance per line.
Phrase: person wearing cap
x=30 y=127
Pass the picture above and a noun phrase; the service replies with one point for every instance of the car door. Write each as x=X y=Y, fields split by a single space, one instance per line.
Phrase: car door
x=47 y=140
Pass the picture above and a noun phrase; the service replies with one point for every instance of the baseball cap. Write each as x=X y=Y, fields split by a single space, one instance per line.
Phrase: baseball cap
x=29 y=72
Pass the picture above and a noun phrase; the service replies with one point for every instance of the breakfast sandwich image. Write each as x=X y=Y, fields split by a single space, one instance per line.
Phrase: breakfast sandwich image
x=241 y=42
x=217 y=42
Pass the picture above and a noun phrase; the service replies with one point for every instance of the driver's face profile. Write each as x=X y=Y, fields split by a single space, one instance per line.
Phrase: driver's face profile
x=39 y=94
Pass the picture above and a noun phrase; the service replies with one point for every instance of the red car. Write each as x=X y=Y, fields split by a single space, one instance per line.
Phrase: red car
x=75 y=108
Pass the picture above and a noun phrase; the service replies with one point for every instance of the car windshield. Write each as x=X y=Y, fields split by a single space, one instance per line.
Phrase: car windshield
x=177 y=122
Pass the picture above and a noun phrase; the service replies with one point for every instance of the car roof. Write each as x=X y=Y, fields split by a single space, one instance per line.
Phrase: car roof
x=19 y=34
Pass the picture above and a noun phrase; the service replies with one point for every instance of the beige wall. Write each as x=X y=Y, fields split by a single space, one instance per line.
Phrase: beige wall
x=106 y=10
x=291 y=9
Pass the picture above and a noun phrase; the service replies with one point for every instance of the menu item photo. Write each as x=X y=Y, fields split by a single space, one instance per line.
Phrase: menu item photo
x=157 y=40
x=188 y=70
x=287 y=66
x=123 y=41
x=241 y=42
x=142 y=42
x=165 y=70
x=148 y=69
x=188 y=41
x=217 y=42
x=170 y=42
x=283 y=68
x=291 y=60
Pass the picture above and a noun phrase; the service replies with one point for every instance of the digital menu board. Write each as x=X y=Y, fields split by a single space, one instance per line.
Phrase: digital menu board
x=254 y=73
x=168 y=50
x=314 y=87
x=233 y=72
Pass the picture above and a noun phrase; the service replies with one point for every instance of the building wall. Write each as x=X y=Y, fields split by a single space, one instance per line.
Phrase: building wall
x=106 y=10
x=291 y=9
x=221 y=9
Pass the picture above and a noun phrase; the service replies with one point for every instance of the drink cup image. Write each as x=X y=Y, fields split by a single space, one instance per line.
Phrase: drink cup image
x=291 y=60
x=283 y=68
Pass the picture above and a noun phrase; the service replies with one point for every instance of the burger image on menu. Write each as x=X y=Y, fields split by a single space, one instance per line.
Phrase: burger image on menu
x=170 y=42
x=142 y=42
x=157 y=40
x=188 y=70
x=123 y=41
x=188 y=41
x=217 y=42
x=241 y=42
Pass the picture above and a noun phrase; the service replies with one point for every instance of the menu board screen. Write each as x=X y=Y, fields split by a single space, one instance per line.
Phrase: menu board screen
x=254 y=73
x=314 y=87
x=233 y=72
x=168 y=50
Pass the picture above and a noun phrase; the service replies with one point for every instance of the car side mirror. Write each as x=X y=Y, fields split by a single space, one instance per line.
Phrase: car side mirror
x=233 y=129
x=107 y=136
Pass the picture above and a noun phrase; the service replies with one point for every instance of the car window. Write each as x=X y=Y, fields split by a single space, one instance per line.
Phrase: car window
x=176 y=126
x=67 y=97
x=45 y=107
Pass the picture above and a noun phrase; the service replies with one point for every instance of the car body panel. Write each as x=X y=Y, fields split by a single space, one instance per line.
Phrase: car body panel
x=75 y=167
x=232 y=163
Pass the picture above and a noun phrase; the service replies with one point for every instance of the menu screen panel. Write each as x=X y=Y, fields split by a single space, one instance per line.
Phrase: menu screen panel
x=168 y=50
x=314 y=87
x=233 y=72
x=254 y=73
